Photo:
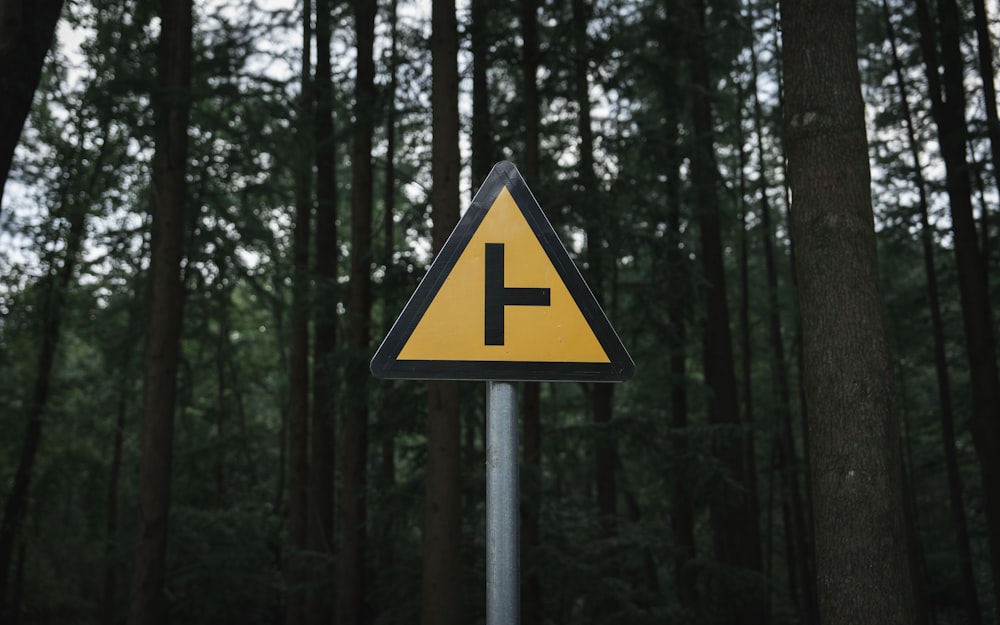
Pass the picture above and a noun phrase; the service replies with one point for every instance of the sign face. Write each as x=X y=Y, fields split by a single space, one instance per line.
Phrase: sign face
x=503 y=301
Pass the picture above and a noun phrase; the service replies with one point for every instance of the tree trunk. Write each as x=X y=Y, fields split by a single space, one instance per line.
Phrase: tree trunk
x=298 y=376
x=386 y=555
x=319 y=607
x=735 y=523
x=441 y=594
x=26 y=33
x=863 y=561
x=955 y=488
x=985 y=50
x=108 y=616
x=482 y=132
x=949 y=115
x=605 y=454
x=677 y=295
x=352 y=608
x=531 y=407
x=801 y=565
x=148 y=604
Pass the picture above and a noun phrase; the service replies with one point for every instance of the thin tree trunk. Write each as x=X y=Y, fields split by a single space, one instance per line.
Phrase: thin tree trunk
x=949 y=115
x=387 y=557
x=531 y=609
x=162 y=354
x=955 y=487
x=985 y=50
x=18 y=598
x=352 y=608
x=864 y=564
x=26 y=33
x=801 y=567
x=677 y=295
x=482 y=132
x=736 y=527
x=111 y=523
x=298 y=376
x=319 y=527
x=441 y=593
x=605 y=454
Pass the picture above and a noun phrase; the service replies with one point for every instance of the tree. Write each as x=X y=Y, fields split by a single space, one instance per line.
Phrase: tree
x=531 y=408
x=298 y=372
x=955 y=486
x=148 y=603
x=947 y=95
x=442 y=541
x=800 y=559
x=54 y=288
x=863 y=561
x=735 y=524
x=26 y=33
x=323 y=416
x=351 y=605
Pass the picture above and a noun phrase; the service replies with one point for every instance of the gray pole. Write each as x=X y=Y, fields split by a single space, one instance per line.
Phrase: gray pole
x=503 y=524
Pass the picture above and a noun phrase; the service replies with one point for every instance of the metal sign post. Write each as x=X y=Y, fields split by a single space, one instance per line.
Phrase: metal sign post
x=503 y=524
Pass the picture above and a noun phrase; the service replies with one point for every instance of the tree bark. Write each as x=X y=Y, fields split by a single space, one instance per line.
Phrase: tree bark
x=27 y=28
x=864 y=564
x=442 y=540
x=148 y=604
x=352 y=609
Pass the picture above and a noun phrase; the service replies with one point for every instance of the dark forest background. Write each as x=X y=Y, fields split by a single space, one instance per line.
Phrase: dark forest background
x=207 y=228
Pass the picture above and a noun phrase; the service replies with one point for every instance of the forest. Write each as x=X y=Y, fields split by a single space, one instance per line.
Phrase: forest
x=212 y=212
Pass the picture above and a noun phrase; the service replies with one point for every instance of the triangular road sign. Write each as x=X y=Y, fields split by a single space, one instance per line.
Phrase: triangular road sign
x=503 y=301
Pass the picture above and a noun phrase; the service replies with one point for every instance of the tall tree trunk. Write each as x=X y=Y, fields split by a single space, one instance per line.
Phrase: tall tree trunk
x=148 y=604
x=801 y=565
x=864 y=565
x=949 y=115
x=605 y=454
x=736 y=527
x=352 y=608
x=298 y=376
x=442 y=547
x=387 y=466
x=26 y=33
x=55 y=287
x=677 y=296
x=531 y=608
x=319 y=607
x=985 y=50
x=482 y=131
x=955 y=487
x=108 y=616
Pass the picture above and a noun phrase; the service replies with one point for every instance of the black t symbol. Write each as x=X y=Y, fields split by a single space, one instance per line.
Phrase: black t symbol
x=499 y=296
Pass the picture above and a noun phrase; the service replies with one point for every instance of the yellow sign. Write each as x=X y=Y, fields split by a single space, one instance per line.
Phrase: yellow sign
x=503 y=301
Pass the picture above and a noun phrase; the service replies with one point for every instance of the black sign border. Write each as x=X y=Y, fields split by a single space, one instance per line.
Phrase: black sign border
x=504 y=174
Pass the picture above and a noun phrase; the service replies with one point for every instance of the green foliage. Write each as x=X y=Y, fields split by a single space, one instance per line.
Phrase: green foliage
x=89 y=147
